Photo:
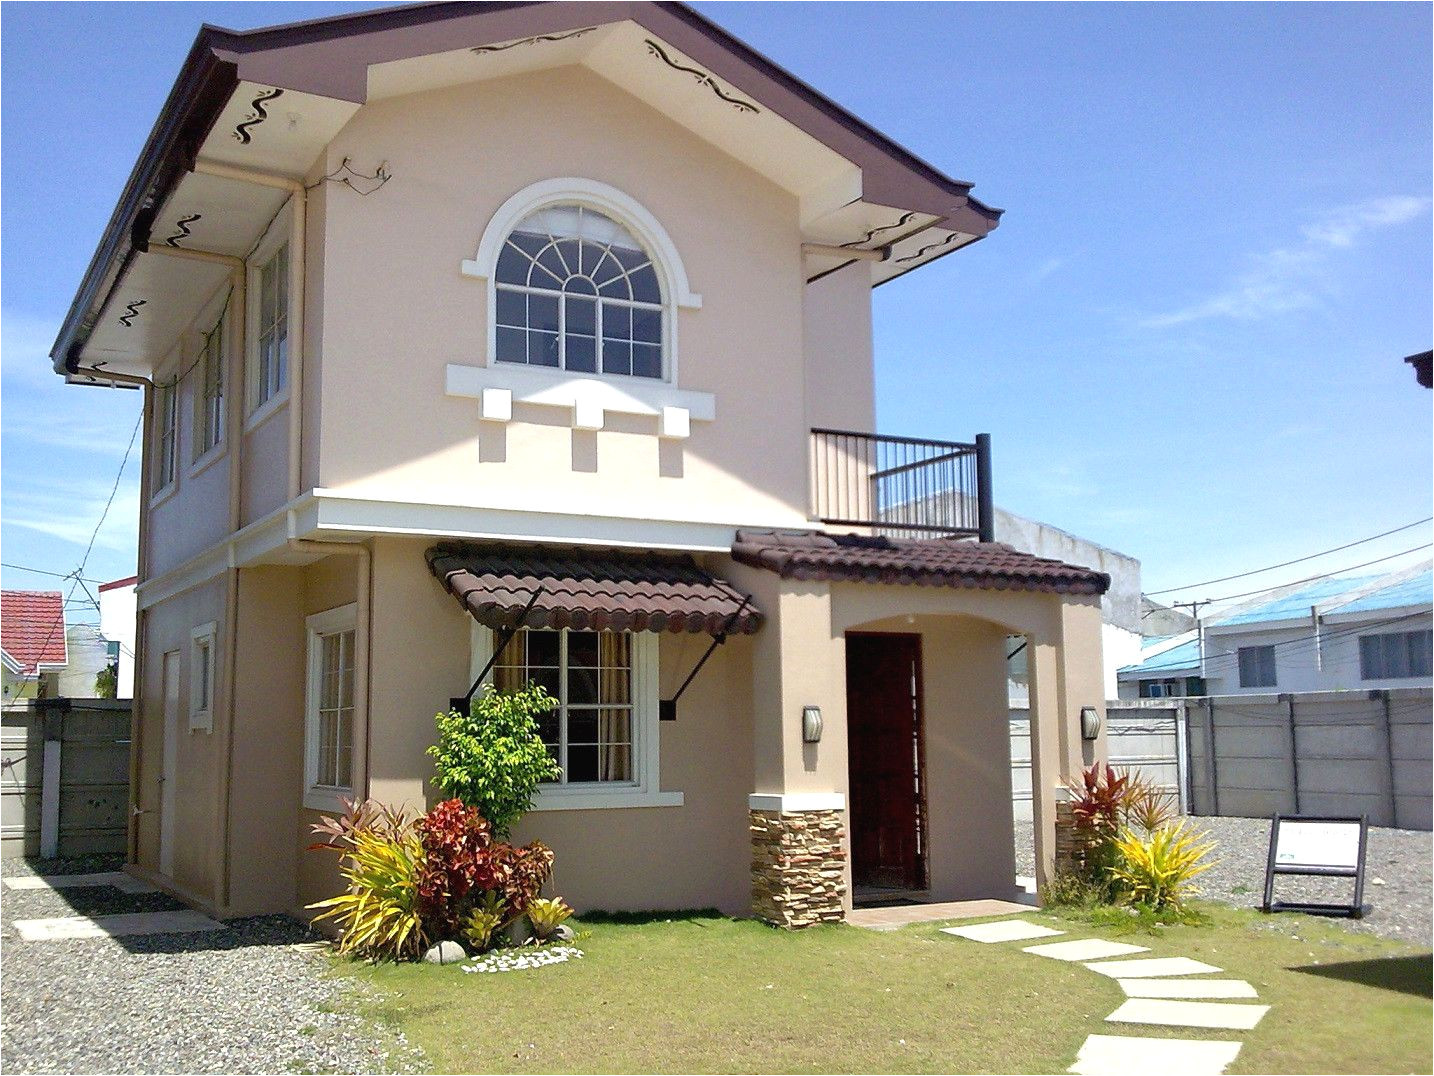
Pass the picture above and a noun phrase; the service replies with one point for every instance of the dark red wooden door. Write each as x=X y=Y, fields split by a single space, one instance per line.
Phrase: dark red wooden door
x=883 y=700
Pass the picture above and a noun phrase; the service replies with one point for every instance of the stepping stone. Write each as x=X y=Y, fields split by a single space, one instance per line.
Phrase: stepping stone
x=114 y=926
x=125 y=883
x=1154 y=968
x=1085 y=949
x=1004 y=930
x=1102 y=1055
x=1187 y=988
x=1213 y=1014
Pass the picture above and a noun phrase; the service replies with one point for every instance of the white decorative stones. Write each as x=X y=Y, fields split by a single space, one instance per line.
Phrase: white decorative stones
x=114 y=926
x=1155 y=968
x=1214 y=1014
x=1002 y=931
x=445 y=952
x=1102 y=1055
x=522 y=959
x=1187 y=988
x=1085 y=949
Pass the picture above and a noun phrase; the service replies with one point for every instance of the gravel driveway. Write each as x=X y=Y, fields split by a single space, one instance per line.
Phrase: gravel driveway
x=235 y=1001
x=1397 y=887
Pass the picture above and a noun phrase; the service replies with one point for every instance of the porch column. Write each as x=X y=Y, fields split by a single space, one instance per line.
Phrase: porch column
x=1065 y=675
x=797 y=811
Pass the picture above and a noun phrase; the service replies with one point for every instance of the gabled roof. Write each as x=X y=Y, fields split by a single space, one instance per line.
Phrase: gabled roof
x=1415 y=590
x=883 y=198
x=32 y=630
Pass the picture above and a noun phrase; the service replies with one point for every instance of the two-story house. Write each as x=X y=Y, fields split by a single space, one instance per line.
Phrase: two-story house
x=543 y=331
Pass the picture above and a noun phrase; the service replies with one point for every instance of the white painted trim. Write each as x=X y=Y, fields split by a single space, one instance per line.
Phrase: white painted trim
x=582 y=395
x=331 y=621
x=218 y=309
x=554 y=800
x=796 y=802
x=267 y=410
x=275 y=236
x=201 y=718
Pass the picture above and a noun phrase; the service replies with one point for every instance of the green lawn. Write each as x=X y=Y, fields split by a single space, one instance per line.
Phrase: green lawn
x=706 y=994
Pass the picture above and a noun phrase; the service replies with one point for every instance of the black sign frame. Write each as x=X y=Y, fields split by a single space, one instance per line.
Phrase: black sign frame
x=1354 y=910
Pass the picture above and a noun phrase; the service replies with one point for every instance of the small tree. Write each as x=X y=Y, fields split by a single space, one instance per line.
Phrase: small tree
x=493 y=758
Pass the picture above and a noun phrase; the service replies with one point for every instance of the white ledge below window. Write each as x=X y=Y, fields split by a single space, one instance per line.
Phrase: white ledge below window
x=586 y=398
x=588 y=799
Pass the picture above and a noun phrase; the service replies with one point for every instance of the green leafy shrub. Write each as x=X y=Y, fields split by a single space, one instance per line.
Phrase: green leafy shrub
x=1155 y=869
x=547 y=915
x=493 y=758
x=484 y=921
x=379 y=917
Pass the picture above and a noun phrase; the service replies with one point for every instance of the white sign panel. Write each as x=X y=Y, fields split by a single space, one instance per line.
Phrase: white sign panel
x=1317 y=844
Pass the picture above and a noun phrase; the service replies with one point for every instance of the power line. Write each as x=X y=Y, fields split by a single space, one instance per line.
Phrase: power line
x=1297 y=560
x=42 y=571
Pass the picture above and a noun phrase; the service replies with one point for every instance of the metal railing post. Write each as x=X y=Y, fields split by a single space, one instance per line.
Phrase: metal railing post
x=985 y=501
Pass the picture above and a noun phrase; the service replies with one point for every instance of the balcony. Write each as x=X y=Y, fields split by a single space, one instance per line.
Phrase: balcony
x=902 y=487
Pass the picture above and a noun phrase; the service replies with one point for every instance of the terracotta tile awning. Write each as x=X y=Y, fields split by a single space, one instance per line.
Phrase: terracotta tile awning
x=934 y=562
x=589 y=590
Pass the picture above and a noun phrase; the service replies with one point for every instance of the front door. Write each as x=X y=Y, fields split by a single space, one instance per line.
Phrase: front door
x=883 y=701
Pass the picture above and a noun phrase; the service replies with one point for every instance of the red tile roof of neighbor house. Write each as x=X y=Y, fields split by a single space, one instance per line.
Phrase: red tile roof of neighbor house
x=32 y=629
x=114 y=584
x=932 y=562
x=591 y=590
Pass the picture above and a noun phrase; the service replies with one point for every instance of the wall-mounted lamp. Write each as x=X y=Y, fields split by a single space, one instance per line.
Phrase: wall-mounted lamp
x=811 y=724
x=1089 y=722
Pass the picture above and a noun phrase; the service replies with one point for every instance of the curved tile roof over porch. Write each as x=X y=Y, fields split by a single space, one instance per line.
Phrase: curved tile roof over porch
x=589 y=590
x=937 y=562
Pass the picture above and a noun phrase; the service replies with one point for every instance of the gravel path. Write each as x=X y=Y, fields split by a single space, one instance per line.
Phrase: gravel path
x=1398 y=885
x=236 y=1001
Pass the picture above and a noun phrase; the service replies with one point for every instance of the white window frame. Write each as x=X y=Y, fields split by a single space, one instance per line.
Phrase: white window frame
x=277 y=237
x=625 y=210
x=166 y=426
x=646 y=788
x=202 y=665
x=217 y=317
x=335 y=621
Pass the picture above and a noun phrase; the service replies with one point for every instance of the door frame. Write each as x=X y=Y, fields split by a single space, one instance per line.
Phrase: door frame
x=169 y=760
x=923 y=832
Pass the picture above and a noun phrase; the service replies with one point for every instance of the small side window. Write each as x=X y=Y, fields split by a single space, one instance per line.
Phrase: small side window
x=201 y=678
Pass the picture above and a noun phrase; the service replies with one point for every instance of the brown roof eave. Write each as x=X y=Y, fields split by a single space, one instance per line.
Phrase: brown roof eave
x=199 y=94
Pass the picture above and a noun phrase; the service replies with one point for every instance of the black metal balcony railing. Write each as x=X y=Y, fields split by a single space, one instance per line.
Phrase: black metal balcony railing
x=902 y=487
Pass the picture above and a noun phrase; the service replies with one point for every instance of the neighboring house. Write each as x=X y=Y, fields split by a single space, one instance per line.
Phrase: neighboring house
x=33 y=647
x=454 y=319
x=88 y=655
x=1336 y=634
x=1157 y=621
x=118 y=613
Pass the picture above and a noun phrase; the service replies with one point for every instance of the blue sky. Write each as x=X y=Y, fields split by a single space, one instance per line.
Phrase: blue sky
x=1184 y=338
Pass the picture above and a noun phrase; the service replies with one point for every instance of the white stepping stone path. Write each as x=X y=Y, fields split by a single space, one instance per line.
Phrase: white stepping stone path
x=1169 y=1013
x=1158 y=991
x=1187 y=988
x=114 y=926
x=1002 y=931
x=1084 y=949
x=1154 y=968
x=125 y=883
x=1103 y=1055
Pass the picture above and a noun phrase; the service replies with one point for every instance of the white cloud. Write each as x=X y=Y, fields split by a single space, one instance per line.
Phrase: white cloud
x=1292 y=278
x=1045 y=269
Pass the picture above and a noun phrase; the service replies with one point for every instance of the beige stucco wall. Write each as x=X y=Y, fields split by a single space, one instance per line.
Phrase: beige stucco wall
x=837 y=351
x=397 y=310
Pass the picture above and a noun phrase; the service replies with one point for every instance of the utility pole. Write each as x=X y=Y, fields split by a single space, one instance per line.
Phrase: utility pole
x=1194 y=607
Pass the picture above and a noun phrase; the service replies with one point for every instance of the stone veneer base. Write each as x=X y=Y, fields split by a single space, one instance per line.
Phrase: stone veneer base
x=798 y=867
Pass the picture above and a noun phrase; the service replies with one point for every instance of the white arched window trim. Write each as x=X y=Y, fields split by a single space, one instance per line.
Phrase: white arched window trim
x=676 y=293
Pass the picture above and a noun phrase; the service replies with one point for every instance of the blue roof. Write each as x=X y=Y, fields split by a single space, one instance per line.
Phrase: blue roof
x=1416 y=590
x=1296 y=604
x=1169 y=662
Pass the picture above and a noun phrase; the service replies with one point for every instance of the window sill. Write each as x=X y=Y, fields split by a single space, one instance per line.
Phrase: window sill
x=267 y=410
x=587 y=800
x=206 y=460
x=163 y=494
x=318 y=798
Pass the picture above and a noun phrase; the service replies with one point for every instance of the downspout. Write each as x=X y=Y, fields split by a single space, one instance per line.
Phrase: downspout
x=363 y=585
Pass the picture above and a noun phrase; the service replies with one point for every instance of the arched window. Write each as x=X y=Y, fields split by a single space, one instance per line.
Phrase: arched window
x=575 y=290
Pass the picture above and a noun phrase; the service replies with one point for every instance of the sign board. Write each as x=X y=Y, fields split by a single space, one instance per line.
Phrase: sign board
x=1317 y=846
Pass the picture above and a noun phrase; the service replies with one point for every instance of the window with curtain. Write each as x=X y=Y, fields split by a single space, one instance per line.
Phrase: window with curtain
x=590 y=732
x=576 y=291
x=1397 y=655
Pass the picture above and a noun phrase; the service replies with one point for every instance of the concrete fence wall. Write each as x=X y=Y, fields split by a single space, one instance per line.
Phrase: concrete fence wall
x=64 y=778
x=1327 y=752
x=1146 y=736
